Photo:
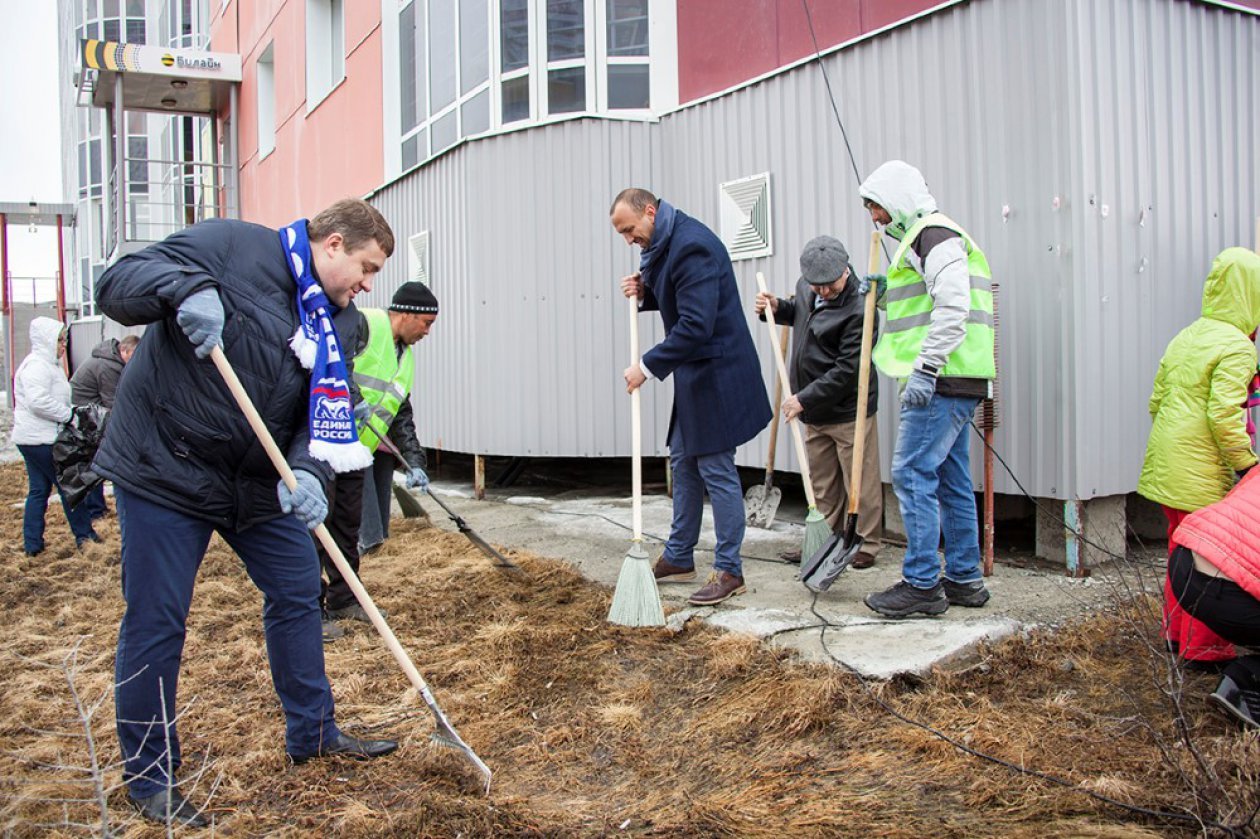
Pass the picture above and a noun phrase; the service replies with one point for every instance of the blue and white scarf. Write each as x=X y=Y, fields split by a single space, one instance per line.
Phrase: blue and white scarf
x=331 y=415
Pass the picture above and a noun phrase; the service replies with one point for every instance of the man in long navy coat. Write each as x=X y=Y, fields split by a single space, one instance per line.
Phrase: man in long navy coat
x=719 y=398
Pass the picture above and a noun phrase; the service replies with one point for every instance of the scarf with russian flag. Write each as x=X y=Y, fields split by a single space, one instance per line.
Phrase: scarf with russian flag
x=331 y=415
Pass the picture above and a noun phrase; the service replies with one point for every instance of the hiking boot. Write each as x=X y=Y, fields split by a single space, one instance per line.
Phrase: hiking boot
x=966 y=594
x=793 y=556
x=169 y=805
x=666 y=573
x=353 y=612
x=346 y=746
x=862 y=561
x=721 y=585
x=330 y=630
x=1238 y=701
x=903 y=600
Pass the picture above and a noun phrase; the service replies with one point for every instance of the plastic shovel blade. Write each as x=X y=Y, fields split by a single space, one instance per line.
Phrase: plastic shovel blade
x=831 y=559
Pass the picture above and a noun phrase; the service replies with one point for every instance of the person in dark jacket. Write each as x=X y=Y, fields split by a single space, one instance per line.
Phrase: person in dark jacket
x=826 y=317
x=186 y=464
x=719 y=397
x=96 y=381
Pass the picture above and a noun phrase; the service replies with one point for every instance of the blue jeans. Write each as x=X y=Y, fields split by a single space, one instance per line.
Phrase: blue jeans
x=161 y=552
x=41 y=477
x=377 y=498
x=95 y=501
x=692 y=476
x=931 y=474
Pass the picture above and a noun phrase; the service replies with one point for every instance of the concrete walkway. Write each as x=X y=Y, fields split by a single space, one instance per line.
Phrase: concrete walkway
x=590 y=531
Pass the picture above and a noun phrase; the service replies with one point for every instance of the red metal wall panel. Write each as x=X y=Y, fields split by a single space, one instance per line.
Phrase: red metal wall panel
x=724 y=42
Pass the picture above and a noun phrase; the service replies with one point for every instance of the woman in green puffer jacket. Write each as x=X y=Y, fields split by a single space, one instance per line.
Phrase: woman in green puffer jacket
x=1199 y=441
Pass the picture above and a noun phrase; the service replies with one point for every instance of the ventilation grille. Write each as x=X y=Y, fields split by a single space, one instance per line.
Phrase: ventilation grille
x=745 y=216
x=418 y=257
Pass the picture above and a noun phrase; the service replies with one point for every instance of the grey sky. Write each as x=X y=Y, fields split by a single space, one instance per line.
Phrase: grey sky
x=30 y=143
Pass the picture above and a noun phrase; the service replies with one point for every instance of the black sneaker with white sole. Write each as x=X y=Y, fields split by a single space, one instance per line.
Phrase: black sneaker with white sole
x=1242 y=702
x=966 y=594
x=903 y=600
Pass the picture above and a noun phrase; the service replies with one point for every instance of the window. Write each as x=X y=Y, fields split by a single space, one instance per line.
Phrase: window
x=474 y=44
x=408 y=89
x=266 y=102
x=471 y=66
x=566 y=37
x=325 y=49
x=627 y=27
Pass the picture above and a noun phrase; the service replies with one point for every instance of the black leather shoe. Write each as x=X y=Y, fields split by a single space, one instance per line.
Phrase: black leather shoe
x=347 y=746
x=169 y=806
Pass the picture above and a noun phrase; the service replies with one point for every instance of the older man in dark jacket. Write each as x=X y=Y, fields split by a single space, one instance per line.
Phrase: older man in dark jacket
x=719 y=397
x=186 y=464
x=826 y=317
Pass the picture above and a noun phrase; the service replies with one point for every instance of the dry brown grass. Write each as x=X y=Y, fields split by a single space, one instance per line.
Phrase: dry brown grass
x=590 y=726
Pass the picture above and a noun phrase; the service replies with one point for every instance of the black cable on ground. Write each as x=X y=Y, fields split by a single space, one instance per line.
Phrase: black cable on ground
x=1165 y=815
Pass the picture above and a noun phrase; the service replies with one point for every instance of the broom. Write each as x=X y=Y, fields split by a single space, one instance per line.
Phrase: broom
x=444 y=733
x=636 y=601
x=817 y=531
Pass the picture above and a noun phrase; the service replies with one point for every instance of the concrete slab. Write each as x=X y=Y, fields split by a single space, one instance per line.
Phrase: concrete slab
x=590 y=530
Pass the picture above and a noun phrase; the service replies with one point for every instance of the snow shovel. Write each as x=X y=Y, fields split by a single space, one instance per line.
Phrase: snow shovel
x=500 y=560
x=445 y=734
x=762 y=501
x=840 y=550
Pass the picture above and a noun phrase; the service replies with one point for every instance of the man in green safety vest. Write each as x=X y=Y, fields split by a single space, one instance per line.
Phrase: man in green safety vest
x=383 y=371
x=938 y=337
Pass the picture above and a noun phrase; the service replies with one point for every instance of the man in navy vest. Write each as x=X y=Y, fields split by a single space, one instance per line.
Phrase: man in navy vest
x=719 y=397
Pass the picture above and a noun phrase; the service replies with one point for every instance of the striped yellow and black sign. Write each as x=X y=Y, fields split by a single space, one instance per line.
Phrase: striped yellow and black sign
x=110 y=55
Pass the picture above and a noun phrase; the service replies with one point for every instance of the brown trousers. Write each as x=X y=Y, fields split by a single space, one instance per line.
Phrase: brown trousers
x=830 y=452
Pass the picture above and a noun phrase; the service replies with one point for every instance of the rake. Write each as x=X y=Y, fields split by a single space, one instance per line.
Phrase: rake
x=445 y=734
x=500 y=560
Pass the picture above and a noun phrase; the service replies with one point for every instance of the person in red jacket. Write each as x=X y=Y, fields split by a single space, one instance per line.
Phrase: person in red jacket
x=1215 y=575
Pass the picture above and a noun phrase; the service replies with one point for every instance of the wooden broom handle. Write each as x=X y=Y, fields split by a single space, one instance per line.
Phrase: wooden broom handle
x=864 y=377
x=321 y=532
x=787 y=388
x=636 y=429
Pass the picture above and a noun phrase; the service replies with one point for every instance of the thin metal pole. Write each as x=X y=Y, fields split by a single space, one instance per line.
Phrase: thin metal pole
x=6 y=298
x=61 y=274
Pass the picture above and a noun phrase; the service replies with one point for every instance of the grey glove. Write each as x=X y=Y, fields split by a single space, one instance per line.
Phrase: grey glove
x=307 y=501
x=880 y=281
x=417 y=479
x=919 y=390
x=362 y=410
x=201 y=318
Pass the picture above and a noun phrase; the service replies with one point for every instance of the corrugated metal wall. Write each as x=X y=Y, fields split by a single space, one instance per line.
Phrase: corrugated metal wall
x=1101 y=151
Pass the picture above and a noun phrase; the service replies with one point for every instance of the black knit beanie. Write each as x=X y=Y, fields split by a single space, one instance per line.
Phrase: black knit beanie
x=414 y=297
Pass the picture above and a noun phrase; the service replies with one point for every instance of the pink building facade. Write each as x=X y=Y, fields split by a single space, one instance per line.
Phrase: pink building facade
x=310 y=124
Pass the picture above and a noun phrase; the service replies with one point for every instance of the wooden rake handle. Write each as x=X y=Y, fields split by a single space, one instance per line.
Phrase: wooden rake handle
x=794 y=424
x=864 y=377
x=321 y=532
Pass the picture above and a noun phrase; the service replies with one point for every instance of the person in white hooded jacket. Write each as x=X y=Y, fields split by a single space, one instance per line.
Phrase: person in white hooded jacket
x=41 y=403
x=938 y=338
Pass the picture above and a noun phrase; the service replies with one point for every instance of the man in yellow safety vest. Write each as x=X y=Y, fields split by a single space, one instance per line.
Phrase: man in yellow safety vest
x=938 y=337
x=383 y=372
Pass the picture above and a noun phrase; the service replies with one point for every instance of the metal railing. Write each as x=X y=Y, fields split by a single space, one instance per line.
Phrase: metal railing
x=172 y=195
